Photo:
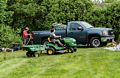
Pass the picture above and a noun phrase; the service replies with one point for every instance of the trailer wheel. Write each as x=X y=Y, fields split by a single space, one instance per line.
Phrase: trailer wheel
x=50 y=51
x=28 y=54
x=36 y=54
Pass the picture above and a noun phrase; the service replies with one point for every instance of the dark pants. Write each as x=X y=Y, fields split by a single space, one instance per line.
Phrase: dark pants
x=57 y=41
x=25 y=41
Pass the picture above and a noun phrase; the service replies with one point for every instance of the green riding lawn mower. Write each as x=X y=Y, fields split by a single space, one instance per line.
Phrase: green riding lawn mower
x=70 y=46
x=52 y=48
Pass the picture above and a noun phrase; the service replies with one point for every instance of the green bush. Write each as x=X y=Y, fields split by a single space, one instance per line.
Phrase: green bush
x=8 y=36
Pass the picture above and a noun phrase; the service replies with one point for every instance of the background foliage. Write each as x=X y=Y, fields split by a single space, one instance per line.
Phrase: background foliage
x=40 y=14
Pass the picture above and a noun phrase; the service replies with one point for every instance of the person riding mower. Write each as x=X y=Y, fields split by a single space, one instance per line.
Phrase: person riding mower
x=70 y=46
x=61 y=45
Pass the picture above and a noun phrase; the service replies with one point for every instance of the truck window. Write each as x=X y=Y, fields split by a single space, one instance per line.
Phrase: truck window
x=60 y=27
x=74 y=26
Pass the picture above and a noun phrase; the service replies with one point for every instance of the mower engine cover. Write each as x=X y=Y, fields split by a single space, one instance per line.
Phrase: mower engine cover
x=71 y=42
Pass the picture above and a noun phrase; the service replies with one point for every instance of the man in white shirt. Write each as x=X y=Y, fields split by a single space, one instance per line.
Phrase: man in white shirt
x=54 y=37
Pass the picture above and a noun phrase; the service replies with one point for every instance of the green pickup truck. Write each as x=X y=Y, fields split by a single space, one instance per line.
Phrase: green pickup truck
x=83 y=32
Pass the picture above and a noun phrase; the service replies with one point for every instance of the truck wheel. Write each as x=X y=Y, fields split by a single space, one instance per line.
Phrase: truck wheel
x=103 y=44
x=50 y=51
x=45 y=42
x=95 y=42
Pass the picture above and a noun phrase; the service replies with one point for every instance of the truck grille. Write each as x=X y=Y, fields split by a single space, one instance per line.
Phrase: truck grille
x=110 y=32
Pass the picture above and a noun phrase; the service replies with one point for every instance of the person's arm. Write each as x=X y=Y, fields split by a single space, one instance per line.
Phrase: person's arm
x=55 y=36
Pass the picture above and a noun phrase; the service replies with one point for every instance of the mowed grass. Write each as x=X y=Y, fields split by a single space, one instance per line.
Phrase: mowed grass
x=85 y=63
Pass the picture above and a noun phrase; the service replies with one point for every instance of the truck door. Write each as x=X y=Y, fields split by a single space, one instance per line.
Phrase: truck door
x=78 y=32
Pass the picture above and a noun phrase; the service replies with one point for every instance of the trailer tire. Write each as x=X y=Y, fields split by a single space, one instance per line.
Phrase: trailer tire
x=36 y=54
x=28 y=54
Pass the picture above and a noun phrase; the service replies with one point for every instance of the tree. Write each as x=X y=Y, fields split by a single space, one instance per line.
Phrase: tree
x=113 y=17
x=5 y=16
x=68 y=10
x=7 y=34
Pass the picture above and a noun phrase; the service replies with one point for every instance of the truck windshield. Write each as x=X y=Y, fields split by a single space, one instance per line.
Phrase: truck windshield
x=87 y=25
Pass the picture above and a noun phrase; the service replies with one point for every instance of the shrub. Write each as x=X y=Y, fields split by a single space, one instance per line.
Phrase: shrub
x=8 y=36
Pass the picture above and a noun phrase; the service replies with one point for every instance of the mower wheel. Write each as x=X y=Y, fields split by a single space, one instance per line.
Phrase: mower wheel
x=50 y=51
x=75 y=49
x=28 y=54
x=70 y=50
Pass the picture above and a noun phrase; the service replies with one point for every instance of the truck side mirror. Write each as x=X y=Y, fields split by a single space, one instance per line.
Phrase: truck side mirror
x=80 y=28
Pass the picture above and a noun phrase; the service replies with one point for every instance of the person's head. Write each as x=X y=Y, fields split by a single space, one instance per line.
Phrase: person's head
x=52 y=30
x=26 y=28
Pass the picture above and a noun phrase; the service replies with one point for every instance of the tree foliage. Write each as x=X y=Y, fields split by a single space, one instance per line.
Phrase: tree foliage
x=106 y=17
x=5 y=15
x=40 y=14
x=7 y=34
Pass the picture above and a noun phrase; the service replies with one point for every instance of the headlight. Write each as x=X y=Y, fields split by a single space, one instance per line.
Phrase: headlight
x=105 y=33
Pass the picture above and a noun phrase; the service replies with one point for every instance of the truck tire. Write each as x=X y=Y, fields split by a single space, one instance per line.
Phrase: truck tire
x=95 y=42
x=45 y=42
x=50 y=51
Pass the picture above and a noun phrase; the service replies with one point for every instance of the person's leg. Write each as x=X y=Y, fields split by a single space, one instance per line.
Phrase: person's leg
x=25 y=41
x=58 y=41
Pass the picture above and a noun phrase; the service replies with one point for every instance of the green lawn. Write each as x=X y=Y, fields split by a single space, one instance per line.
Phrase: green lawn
x=85 y=63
